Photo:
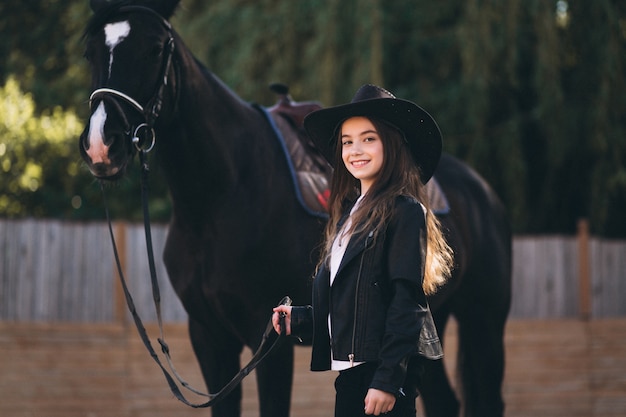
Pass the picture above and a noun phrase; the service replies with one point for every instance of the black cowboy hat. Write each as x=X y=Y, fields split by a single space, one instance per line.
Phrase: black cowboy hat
x=419 y=128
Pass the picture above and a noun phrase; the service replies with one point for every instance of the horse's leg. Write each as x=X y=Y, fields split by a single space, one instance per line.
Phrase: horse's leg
x=218 y=353
x=438 y=397
x=481 y=358
x=274 y=380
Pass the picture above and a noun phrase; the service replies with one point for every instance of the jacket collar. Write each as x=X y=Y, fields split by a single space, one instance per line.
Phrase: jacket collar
x=357 y=244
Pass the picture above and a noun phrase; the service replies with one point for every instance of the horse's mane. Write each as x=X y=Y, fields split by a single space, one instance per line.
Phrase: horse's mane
x=203 y=68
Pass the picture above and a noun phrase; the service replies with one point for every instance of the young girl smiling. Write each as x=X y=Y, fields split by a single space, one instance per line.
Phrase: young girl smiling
x=383 y=253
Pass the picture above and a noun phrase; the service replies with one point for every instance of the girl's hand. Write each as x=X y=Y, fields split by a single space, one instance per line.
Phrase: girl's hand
x=379 y=402
x=286 y=310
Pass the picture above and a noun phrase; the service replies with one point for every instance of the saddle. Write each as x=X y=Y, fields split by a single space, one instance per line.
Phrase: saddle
x=291 y=110
x=310 y=169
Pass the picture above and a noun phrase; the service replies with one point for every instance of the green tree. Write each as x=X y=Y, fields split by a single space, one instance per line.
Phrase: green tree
x=40 y=46
x=30 y=147
x=42 y=174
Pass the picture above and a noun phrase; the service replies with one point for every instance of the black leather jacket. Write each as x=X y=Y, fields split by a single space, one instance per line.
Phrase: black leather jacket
x=376 y=303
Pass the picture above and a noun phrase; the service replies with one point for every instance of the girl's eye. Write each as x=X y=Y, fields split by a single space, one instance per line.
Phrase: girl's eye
x=346 y=142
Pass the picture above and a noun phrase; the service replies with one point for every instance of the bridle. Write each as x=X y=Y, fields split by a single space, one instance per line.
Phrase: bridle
x=150 y=113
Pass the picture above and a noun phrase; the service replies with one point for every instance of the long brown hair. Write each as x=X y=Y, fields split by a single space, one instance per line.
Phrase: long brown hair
x=399 y=175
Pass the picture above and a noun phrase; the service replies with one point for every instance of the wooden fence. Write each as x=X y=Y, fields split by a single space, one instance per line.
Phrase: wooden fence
x=59 y=271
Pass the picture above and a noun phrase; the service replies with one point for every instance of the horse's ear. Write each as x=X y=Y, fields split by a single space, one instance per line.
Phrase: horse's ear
x=97 y=5
x=165 y=8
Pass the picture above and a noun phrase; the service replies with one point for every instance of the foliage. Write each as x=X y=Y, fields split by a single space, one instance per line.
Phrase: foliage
x=42 y=173
x=26 y=143
x=40 y=46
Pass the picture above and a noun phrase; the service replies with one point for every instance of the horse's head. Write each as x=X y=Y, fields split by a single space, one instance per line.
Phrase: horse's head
x=129 y=45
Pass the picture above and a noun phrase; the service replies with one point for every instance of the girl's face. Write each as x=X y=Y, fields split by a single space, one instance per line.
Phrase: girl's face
x=361 y=150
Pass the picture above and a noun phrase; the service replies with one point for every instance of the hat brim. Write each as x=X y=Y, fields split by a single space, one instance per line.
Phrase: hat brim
x=420 y=129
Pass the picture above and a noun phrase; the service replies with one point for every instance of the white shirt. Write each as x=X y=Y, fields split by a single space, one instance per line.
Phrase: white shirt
x=336 y=255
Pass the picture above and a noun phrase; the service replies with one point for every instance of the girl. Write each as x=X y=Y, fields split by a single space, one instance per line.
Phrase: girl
x=383 y=253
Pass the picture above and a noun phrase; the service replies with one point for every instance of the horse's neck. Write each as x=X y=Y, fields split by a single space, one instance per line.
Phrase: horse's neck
x=206 y=149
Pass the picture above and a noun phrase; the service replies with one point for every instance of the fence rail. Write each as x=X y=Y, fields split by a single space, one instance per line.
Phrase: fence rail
x=58 y=271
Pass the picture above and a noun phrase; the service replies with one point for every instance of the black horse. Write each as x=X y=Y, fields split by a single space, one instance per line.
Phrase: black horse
x=239 y=238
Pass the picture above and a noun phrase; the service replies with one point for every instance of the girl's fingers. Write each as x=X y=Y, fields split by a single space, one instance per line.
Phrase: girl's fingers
x=275 y=322
x=378 y=402
x=286 y=310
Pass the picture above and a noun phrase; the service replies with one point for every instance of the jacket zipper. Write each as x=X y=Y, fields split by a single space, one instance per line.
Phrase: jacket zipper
x=356 y=299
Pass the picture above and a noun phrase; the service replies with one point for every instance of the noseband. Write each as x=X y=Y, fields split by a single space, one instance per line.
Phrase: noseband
x=151 y=112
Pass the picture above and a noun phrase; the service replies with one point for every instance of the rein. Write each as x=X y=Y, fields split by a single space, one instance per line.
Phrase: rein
x=150 y=114
x=259 y=355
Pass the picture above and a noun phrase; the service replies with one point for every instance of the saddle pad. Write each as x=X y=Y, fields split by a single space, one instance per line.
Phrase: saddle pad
x=309 y=170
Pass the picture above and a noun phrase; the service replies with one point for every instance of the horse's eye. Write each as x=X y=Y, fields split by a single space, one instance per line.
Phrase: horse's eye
x=156 y=51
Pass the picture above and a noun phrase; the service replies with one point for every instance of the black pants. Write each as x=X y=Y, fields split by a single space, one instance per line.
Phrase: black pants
x=351 y=388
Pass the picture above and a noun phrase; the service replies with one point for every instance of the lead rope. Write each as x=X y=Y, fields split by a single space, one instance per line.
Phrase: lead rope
x=259 y=354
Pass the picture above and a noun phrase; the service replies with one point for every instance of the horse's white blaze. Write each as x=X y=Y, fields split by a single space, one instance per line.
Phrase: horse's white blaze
x=114 y=34
x=98 y=151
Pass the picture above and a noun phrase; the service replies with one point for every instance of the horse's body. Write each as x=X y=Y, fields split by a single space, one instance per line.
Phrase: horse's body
x=239 y=239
